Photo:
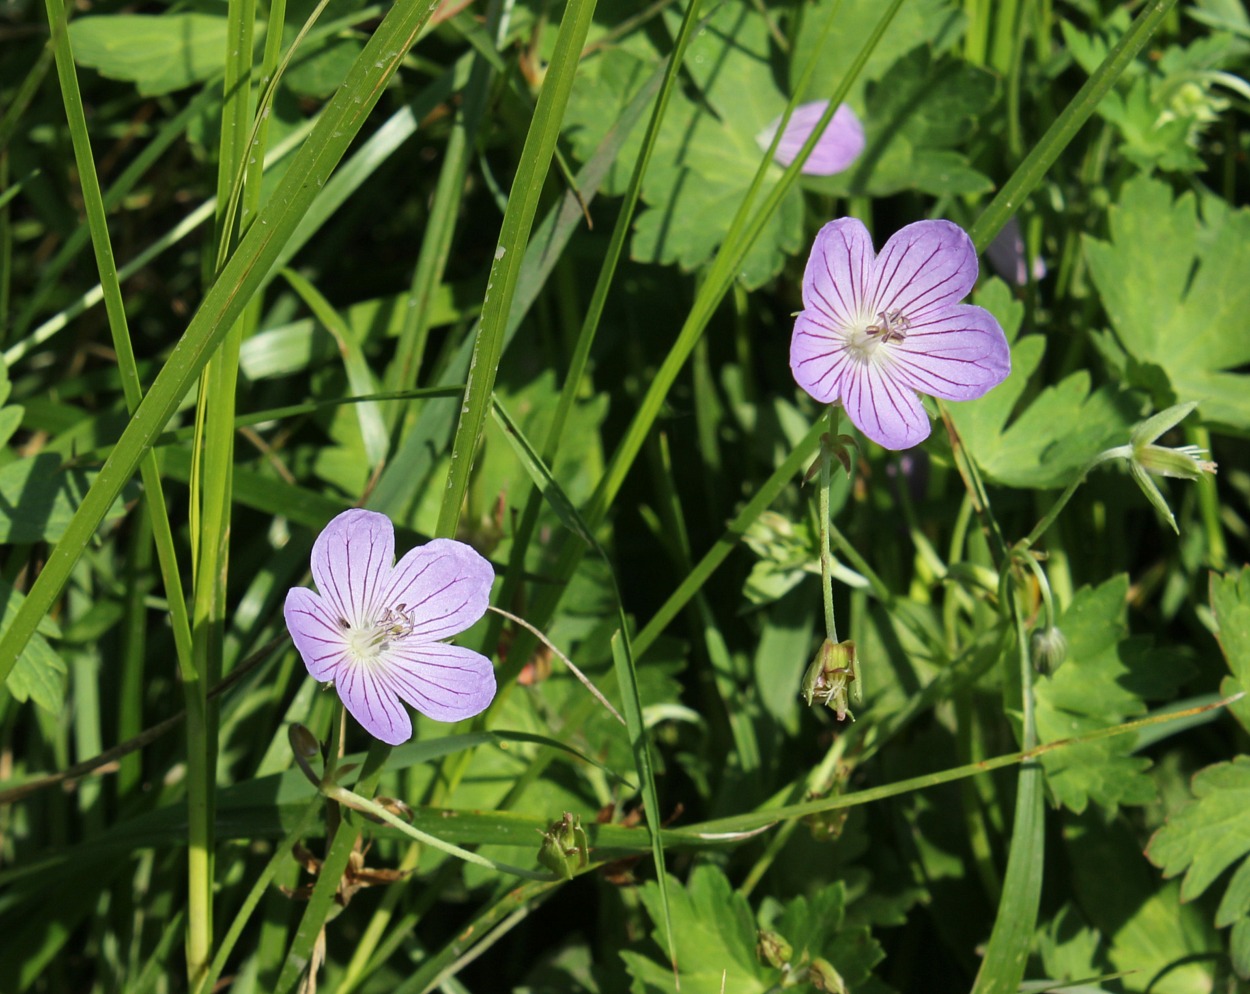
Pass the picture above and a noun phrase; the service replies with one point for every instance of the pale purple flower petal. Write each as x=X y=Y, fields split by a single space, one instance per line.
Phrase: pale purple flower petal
x=446 y=582
x=350 y=558
x=375 y=626
x=370 y=699
x=924 y=268
x=876 y=330
x=958 y=356
x=316 y=632
x=444 y=682
x=882 y=408
x=839 y=145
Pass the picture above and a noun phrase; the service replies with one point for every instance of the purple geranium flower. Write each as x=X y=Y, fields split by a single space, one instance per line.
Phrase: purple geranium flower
x=876 y=329
x=375 y=627
x=839 y=145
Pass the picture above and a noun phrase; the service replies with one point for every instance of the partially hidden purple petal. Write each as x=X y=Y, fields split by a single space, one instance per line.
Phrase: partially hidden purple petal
x=818 y=356
x=443 y=682
x=316 y=632
x=839 y=145
x=959 y=355
x=444 y=586
x=1007 y=255
x=371 y=700
x=883 y=409
x=924 y=268
x=351 y=562
x=838 y=272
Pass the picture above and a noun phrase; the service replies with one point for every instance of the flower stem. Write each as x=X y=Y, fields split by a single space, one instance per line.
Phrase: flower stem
x=826 y=556
x=352 y=800
x=1049 y=517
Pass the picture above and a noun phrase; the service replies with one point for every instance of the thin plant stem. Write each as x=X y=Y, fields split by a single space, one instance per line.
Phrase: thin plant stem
x=826 y=555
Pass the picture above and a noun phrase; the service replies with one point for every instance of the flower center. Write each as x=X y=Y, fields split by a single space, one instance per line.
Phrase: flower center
x=863 y=339
x=368 y=642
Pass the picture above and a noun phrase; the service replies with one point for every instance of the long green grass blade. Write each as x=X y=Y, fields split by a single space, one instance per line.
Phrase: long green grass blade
x=505 y=270
x=246 y=270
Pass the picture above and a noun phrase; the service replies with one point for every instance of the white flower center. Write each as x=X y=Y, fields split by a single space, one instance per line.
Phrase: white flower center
x=864 y=338
x=367 y=642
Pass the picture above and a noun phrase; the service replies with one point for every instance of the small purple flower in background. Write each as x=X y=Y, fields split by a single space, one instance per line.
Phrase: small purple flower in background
x=839 y=145
x=1006 y=254
x=375 y=626
x=875 y=330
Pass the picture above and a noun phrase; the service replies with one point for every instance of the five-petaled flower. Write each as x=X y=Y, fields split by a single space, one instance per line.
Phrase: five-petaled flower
x=877 y=329
x=838 y=146
x=375 y=627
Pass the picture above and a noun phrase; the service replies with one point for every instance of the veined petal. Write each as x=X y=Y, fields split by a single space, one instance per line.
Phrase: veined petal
x=958 y=355
x=443 y=682
x=818 y=356
x=444 y=586
x=924 y=268
x=351 y=562
x=839 y=144
x=882 y=408
x=836 y=280
x=316 y=632
x=371 y=700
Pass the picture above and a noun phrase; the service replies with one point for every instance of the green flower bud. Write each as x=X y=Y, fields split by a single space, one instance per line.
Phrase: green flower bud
x=304 y=746
x=1049 y=649
x=1145 y=458
x=565 y=848
x=773 y=949
x=822 y=976
x=829 y=676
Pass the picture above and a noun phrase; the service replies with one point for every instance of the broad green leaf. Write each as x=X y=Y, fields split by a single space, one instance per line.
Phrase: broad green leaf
x=1104 y=681
x=1208 y=836
x=816 y=927
x=915 y=118
x=931 y=23
x=717 y=936
x=158 y=53
x=706 y=157
x=38 y=675
x=1176 y=292
x=1146 y=928
x=1230 y=602
x=1061 y=429
x=714 y=933
x=38 y=496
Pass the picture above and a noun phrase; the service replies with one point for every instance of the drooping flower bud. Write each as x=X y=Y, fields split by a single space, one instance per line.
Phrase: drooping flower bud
x=829 y=676
x=822 y=976
x=1049 y=648
x=565 y=848
x=773 y=949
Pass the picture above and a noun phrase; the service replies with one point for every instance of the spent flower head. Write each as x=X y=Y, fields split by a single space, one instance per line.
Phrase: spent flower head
x=1147 y=459
x=830 y=676
x=375 y=626
x=877 y=330
x=839 y=144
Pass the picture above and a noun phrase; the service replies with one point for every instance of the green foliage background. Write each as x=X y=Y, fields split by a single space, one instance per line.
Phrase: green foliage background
x=520 y=272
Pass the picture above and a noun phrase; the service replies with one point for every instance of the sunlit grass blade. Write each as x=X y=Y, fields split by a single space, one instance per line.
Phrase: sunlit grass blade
x=359 y=376
x=540 y=142
x=622 y=651
x=224 y=302
x=782 y=477
x=1007 y=953
x=1058 y=136
x=412 y=463
x=594 y=311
